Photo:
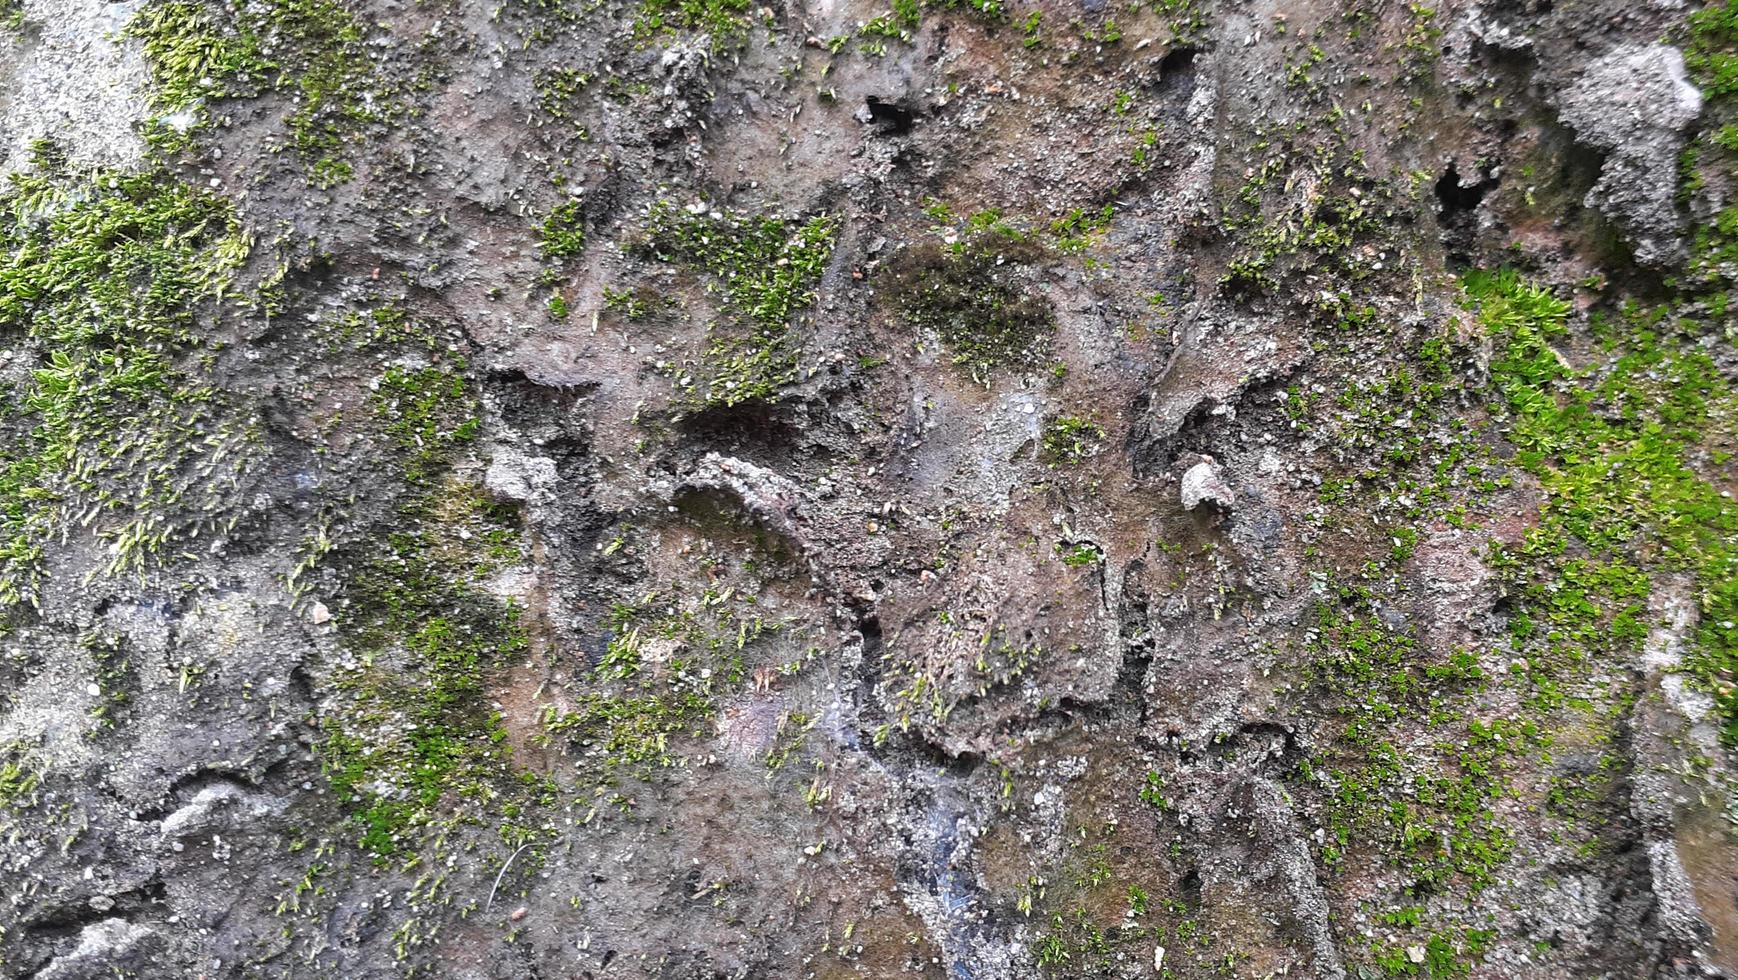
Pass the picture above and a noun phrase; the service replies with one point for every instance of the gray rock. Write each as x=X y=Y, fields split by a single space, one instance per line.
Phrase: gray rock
x=1679 y=914
x=104 y=949
x=219 y=807
x=1636 y=104
x=80 y=81
x=520 y=478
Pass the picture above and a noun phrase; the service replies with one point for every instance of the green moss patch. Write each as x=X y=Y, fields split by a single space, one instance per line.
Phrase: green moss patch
x=1069 y=440
x=412 y=743
x=667 y=660
x=1627 y=452
x=724 y=21
x=20 y=778
x=764 y=269
x=977 y=296
x=119 y=431
x=427 y=413
x=315 y=50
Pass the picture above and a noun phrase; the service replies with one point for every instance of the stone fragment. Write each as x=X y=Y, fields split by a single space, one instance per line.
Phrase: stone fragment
x=519 y=478
x=111 y=947
x=1204 y=483
x=218 y=807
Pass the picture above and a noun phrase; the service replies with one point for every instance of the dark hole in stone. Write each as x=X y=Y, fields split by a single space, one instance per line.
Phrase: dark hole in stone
x=1191 y=887
x=891 y=117
x=1176 y=77
x=1456 y=196
x=1457 y=201
x=1175 y=61
x=754 y=430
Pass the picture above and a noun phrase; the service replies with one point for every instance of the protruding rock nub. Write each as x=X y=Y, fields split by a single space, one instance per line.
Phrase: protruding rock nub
x=1204 y=483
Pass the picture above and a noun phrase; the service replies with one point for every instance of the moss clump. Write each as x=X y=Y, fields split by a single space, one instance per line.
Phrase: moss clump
x=1079 y=555
x=556 y=89
x=765 y=268
x=411 y=738
x=1446 y=956
x=1313 y=233
x=313 y=49
x=724 y=21
x=332 y=76
x=412 y=742
x=563 y=232
x=399 y=746
x=1711 y=54
x=197 y=55
x=1186 y=19
x=1403 y=456
x=1069 y=440
x=427 y=413
x=989 y=11
x=378 y=329
x=1710 y=43
x=20 y=777
x=1621 y=450
x=1431 y=811
x=975 y=295
x=118 y=431
x=668 y=658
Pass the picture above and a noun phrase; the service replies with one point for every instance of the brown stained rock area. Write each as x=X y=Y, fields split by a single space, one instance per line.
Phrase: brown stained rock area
x=1708 y=860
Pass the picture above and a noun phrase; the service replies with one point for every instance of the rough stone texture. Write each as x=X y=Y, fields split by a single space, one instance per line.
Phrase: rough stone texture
x=75 y=80
x=105 y=948
x=1202 y=636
